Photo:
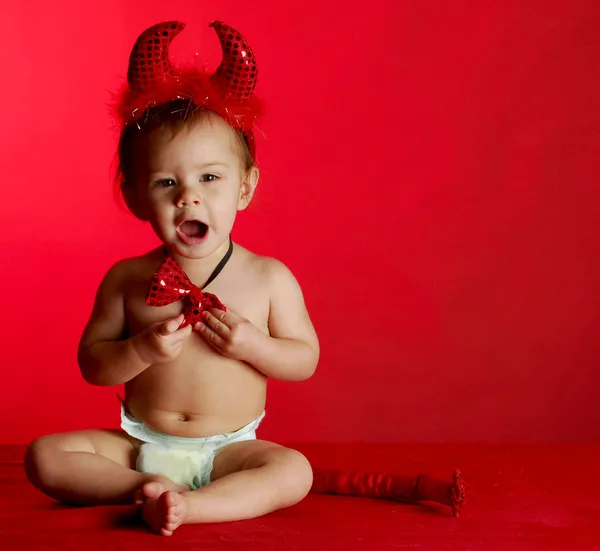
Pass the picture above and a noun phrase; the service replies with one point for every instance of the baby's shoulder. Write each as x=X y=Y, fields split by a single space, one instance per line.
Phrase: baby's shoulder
x=133 y=269
x=270 y=270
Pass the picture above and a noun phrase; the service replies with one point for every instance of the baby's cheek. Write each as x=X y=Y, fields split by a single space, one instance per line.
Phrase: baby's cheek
x=226 y=217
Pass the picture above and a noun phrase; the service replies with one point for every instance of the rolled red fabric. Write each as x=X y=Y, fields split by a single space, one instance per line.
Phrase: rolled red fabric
x=393 y=486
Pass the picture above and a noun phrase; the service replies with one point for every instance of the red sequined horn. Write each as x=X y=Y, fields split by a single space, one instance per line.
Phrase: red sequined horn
x=149 y=61
x=237 y=74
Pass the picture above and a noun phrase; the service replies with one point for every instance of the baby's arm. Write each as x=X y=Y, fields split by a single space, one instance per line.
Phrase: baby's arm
x=291 y=352
x=106 y=357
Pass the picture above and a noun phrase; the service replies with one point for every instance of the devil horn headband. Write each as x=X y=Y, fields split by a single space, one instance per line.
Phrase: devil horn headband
x=149 y=63
x=153 y=80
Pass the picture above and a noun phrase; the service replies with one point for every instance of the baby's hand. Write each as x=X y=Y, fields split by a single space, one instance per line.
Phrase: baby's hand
x=230 y=334
x=163 y=341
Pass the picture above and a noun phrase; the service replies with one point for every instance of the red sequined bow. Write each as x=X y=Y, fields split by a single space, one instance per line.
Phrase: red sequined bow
x=170 y=284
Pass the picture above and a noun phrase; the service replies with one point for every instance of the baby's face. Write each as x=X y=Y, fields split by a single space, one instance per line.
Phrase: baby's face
x=191 y=184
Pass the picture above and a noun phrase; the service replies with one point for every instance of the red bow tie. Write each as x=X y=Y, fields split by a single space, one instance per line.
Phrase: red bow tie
x=170 y=284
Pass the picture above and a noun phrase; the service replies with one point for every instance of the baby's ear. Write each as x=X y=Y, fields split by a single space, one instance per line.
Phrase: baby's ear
x=132 y=201
x=248 y=187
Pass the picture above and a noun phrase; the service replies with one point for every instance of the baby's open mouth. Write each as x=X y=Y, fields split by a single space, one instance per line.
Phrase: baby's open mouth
x=193 y=228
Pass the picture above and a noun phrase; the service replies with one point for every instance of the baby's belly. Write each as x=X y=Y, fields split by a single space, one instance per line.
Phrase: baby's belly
x=197 y=395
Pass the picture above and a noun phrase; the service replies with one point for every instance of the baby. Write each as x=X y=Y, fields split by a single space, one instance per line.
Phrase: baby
x=195 y=367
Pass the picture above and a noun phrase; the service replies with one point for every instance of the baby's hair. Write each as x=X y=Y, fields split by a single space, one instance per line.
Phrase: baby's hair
x=174 y=116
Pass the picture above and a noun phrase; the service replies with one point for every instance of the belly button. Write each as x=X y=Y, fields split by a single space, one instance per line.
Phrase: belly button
x=184 y=418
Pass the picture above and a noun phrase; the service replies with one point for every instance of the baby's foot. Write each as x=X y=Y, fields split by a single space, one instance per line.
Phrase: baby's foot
x=154 y=487
x=166 y=513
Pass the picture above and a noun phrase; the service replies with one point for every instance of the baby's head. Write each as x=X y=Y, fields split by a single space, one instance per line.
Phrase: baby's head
x=186 y=149
x=185 y=170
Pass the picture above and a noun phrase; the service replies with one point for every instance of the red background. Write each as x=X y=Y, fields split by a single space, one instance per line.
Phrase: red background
x=429 y=174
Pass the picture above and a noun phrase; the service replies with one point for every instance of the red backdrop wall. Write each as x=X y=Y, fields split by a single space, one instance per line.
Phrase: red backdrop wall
x=429 y=174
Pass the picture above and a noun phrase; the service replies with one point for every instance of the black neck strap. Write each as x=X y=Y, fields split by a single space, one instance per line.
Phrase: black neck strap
x=220 y=265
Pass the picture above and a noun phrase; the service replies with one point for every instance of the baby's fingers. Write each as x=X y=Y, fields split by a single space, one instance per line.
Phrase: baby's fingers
x=183 y=333
x=170 y=326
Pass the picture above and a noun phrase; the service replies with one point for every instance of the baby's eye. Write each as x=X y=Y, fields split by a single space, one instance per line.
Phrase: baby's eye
x=208 y=178
x=166 y=182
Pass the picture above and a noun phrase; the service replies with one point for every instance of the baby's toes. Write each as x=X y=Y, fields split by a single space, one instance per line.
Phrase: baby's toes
x=171 y=526
x=152 y=490
x=172 y=500
x=138 y=497
x=172 y=503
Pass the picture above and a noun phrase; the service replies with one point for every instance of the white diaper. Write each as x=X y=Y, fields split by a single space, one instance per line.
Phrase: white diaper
x=186 y=461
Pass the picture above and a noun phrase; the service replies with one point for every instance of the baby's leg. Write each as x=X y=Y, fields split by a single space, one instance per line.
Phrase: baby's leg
x=88 y=468
x=250 y=479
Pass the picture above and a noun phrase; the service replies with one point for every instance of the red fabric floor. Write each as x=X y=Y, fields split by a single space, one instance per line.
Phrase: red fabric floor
x=530 y=497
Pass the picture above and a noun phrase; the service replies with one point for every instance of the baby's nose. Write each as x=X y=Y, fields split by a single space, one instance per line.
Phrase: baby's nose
x=187 y=199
